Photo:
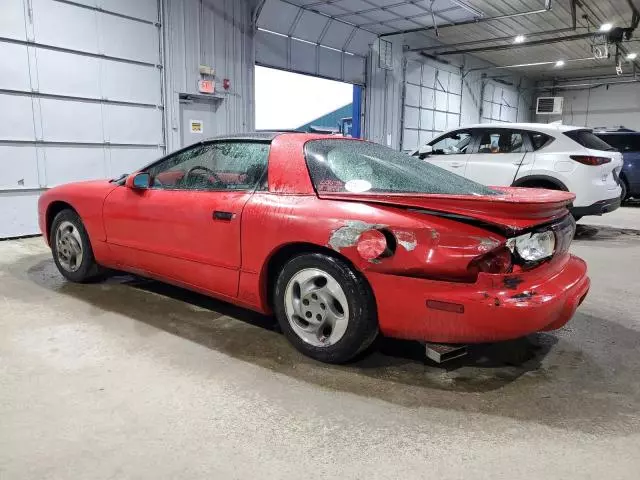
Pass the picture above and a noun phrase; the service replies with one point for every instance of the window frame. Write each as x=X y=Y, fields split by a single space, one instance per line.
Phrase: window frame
x=445 y=135
x=261 y=185
x=479 y=132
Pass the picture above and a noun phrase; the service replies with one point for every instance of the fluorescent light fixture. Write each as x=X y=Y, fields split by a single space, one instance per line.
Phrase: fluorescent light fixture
x=560 y=63
x=632 y=56
x=605 y=27
x=519 y=39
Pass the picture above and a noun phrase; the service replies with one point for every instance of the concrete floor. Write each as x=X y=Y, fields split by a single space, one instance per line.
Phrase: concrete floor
x=135 y=379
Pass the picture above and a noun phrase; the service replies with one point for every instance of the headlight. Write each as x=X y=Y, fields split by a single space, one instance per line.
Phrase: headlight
x=532 y=247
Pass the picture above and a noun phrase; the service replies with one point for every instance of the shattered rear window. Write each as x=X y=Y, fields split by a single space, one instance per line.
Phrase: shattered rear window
x=338 y=165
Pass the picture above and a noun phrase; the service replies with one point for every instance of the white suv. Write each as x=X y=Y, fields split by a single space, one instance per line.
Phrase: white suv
x=558 y=157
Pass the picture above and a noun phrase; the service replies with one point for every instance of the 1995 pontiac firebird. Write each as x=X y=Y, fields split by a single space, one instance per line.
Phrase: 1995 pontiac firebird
x=340 y=238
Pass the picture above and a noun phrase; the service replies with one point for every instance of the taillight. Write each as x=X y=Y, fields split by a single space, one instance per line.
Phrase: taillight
x=590 y=160
x=499 y=260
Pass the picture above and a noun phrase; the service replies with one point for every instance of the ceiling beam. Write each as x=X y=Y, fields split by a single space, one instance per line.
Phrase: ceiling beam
x=533 y=43
x=472 y=22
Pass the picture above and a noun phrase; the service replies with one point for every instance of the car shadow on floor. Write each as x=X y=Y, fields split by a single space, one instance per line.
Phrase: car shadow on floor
x=597 y=233
x=538 y=378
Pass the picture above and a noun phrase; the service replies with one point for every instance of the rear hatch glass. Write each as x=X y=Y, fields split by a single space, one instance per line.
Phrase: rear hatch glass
x=587 y=139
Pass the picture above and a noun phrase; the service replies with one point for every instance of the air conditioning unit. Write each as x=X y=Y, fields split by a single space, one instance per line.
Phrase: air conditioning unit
x=549 y=105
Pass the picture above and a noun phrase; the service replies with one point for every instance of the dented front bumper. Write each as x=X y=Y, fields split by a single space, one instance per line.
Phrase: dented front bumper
x=495 y=307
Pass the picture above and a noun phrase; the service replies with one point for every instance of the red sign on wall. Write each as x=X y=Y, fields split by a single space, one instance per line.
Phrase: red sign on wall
x=206 y=86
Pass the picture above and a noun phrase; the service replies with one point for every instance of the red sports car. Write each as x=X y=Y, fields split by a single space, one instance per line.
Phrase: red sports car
x=340 y=238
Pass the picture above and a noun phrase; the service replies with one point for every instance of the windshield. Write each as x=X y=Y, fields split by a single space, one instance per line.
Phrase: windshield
x=338 y=165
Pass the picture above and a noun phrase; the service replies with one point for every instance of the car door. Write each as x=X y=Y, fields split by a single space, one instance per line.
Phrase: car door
x=451 y=151
x=498 y=157
x=186 y=226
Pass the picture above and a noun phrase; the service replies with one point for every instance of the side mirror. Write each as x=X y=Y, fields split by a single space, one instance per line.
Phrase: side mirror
x=138 y=181
x=424 y=151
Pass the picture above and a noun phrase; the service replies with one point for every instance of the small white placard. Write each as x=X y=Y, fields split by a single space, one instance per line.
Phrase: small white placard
x=357 y=186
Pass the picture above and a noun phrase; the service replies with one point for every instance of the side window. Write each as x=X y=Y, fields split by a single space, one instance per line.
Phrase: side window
x=453 y=144
x=539 y=140
x=500 y=141
x=216 y=166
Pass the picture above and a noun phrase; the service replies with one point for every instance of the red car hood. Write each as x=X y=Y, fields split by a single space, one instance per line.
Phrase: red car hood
x=514 y=208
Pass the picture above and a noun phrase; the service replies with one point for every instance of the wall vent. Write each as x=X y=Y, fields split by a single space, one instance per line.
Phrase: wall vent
x=549 y=105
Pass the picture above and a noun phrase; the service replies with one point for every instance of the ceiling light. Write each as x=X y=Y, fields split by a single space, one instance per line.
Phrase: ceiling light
x=632 y=56
x=560 y=63
x=605 y=27
x=519 y=39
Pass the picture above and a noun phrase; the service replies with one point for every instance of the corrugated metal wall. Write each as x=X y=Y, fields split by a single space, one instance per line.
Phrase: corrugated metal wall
x=217 y=33
x=80 y=97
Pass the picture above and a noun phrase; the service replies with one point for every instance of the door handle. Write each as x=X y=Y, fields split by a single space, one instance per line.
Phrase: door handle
x=219 y=215
x=457 y=165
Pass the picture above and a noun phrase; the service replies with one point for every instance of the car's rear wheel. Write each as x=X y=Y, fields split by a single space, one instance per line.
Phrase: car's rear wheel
x=625 y=190
x=325 y=308
x=71 y=248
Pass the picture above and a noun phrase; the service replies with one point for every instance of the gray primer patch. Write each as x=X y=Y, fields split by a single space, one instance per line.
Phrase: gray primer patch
x=486 y=244
x=407 y=240
x=347 y=235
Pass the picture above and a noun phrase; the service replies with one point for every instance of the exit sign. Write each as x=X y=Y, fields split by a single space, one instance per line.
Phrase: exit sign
x=206 y=86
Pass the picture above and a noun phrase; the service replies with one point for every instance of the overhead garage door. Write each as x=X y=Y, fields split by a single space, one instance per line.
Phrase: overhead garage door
x=300 y=40
x=432 y=102
x=80 y=97
x=499 y=103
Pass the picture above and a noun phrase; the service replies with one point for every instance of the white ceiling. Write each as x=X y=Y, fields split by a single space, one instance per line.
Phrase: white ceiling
x=351 y=25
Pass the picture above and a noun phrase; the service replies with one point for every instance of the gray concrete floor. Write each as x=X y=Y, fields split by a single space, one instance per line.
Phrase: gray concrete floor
x=135 y=379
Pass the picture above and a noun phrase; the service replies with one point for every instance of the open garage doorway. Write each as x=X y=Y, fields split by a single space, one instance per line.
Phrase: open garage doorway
x=292 y=101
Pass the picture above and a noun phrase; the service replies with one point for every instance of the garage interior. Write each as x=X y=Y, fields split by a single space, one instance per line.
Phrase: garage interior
x=132 y=378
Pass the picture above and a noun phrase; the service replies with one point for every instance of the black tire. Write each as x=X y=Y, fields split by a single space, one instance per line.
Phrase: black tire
x=625 y=190
x=362 y=327
x=88 y=270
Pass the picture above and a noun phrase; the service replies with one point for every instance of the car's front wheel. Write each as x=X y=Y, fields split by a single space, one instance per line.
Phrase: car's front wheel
x=71 y=248
x=325 y=308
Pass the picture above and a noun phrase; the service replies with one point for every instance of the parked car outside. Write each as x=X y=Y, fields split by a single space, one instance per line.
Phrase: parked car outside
x=551 y=156
x=627 y=142
x=340 y=238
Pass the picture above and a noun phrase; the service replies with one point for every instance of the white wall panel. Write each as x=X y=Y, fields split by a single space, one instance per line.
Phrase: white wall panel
x=441 y=100
x=63 y=73
x=18 y=166
x=412 y=117
x=54 y=129
x=71 y=121
x=353 y=69
x=128 y=124
x=410 y=140
x=64 y=25
x=426 y=119
x=412 y=95
x=303 y=56
x=337 y=35
x=309 y=26
x=428 y=98
x=143 y=9
x=414 y=72
x=17 y=117
x=330 y=63
x=127 y=160
x=14 y=67
x=18 y=213
x=454 y=103
x=12 y=20
x=440 y=121
x=127 y=82
x=428 y=76
x=72 y=164
x=271 y=50
x=124 y=38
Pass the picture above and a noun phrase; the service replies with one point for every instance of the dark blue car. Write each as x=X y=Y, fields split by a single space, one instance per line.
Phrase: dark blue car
x=628 y=143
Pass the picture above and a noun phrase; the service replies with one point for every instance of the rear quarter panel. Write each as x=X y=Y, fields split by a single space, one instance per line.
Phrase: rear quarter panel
x=426 y=245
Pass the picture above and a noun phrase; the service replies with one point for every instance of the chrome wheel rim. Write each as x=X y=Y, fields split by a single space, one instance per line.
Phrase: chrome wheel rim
x=69 y=246
x=316 y=307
